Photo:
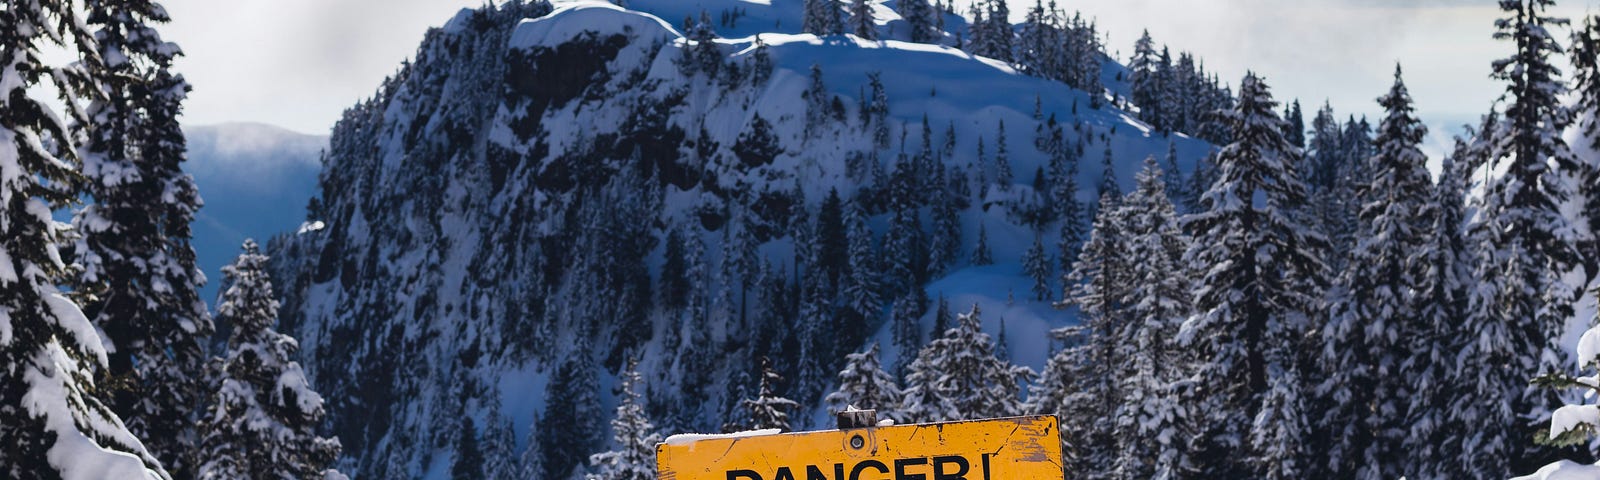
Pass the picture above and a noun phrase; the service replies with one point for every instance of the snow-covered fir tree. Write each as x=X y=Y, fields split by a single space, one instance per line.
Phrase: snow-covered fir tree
x=1154 y=415
x=530 y=463
x=863 y=288
x=980 y=251
x=864 y=384
x=1002 y=161
x=263 y=420
x=1280 y=432
x=499 y=443
x=632 y=435
x=1585 y=54
x=957 y=377
x=1036 y=265
x=1263 y=277
x=1435 y=425
x=821 y=17
x=1372 y=312
x=138 y=282
x=1576 y=423
x=906 y=324
x=920 y=18
x=1524 y=248
x=861 y=21
x=1082 y=383
x=769 y=410
x=54 y=422
x=468 y=461
x=569 y=429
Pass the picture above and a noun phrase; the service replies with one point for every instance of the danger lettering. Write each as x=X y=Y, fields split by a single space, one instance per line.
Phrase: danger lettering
x=948 y=467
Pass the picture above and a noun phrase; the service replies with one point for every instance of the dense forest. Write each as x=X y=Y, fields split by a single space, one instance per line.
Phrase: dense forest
x=559 y=214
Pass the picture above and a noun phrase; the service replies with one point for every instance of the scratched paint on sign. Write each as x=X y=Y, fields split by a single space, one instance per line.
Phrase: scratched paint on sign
x=1002 y=449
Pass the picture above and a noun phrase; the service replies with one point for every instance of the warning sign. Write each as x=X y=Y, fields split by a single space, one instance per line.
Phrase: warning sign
x=1003 y=449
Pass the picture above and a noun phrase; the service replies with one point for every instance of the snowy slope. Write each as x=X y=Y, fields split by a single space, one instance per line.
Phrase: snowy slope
x=453 y=195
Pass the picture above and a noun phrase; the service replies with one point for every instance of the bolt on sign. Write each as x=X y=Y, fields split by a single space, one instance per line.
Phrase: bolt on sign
x=1021 y=448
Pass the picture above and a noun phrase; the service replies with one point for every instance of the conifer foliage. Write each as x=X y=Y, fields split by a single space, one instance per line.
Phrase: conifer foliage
x=53 y=421
x=263 y=420
x=1373 y=311
x=958 y=376
x=139 y=282
x=864 y=384
x=1262 y=280
x=1523 y=249
x=769 y=410
x=633 y=436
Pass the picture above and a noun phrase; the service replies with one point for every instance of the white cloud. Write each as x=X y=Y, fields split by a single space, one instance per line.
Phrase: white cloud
x=299 y=63
x=1340 y=50
x=294 y=63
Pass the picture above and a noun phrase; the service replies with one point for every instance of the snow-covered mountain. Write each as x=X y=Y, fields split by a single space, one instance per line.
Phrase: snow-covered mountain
x=255 y=180
x=514 y=209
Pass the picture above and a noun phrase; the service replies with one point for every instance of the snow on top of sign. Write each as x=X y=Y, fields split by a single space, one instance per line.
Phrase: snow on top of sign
x=688 y=438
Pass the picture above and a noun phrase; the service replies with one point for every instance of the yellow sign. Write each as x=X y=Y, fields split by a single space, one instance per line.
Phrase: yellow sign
x=1022 y=448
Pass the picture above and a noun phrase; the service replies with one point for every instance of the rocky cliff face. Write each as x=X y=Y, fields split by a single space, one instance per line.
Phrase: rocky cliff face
x=544 y=193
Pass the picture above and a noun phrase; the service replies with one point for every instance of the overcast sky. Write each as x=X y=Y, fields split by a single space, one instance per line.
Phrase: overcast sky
x=299 y=63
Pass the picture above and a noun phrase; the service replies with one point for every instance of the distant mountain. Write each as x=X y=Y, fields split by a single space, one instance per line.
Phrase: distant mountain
x=255 y=179
x=516 y=211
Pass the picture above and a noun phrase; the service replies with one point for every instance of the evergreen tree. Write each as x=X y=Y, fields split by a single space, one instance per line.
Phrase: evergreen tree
x=1586 y=66
x=958 y=376
x=1175 y=185
x=904 y=246
x=757 y=146
x=863 y=384
x=1372 y=312
x=468 y=461
x=1279 y=432
x=861 y=22
x=674 y=288
x=863 y=289
x=1521 y=304
x=1146 y=86
x=1000 y=25
x=817 y=98
x=944 y=242
x=1036 y=265
x=1082 y=383
x=1262 y=277
x=49 y=352
x=568 y=427
x=1152 y=416
x=821 y=17
x=262 y=423
x=633 y=436
x=703 y=56
x=769 y=410
x=1295 y=125
x=920 y=19
x=1002 y=161
x=1573 y=424
x=1109 y=186
x=530 y=464
x=1436 y=429
x=1071 y=213
x=760 y=62
x=135 y=235
x=980 y=252
x=878 y=110
x=499 y=442
x=907 y=325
